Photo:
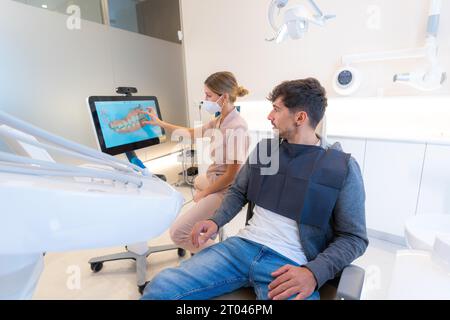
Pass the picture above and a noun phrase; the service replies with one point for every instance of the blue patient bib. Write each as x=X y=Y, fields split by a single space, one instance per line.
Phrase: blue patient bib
x=306 y=186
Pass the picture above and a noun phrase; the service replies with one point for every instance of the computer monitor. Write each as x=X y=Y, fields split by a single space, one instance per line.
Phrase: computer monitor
x=119 y=124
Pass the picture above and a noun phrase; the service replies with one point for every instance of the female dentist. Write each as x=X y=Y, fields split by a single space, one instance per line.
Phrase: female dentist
x=229 y=150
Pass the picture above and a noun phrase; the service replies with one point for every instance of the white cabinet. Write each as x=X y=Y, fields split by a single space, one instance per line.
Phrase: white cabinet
x=392 y=174
x=356 y=147
x=401 y=179
x=434 y=197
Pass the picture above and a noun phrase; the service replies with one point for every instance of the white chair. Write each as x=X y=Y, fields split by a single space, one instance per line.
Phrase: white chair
x=347 y=285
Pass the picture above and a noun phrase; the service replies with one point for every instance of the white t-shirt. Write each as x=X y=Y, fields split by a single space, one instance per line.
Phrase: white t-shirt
x=275 y=231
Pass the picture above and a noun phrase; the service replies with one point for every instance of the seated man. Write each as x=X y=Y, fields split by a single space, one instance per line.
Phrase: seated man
x=309 y=216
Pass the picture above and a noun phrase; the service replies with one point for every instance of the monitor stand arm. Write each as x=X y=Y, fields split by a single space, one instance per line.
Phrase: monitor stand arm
x=131 y=155
x=133 y=158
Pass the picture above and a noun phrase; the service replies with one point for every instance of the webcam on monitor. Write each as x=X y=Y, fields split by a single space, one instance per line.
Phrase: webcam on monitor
x=128 y=91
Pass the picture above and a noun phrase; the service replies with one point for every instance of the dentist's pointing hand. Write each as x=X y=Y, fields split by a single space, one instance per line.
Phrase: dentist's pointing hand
x=154 y=120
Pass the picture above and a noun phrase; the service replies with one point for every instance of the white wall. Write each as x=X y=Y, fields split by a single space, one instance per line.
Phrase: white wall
x=229 y=35
x=47 y=71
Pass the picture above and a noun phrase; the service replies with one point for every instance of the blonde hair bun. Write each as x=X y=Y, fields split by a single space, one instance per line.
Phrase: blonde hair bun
x=241 y=92
x=225 y=82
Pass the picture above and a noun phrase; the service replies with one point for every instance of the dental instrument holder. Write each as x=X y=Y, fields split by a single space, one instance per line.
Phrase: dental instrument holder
x=141 y=257
x=192 y=171
x=133 y=158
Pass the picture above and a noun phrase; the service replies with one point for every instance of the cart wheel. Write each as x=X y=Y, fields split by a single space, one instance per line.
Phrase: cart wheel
x=181 y=252
x=96 y=266
x=142 y=288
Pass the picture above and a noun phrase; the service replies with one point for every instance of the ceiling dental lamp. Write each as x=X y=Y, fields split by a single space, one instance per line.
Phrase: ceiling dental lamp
x=295 y=20
x=431 y=77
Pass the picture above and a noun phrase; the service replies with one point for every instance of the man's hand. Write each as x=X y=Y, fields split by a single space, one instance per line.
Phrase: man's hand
x=290 y=281
x=203 y=231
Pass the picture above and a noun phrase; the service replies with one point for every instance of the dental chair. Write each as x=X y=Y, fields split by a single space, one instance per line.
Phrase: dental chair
x=347 y=285
x=56 y=206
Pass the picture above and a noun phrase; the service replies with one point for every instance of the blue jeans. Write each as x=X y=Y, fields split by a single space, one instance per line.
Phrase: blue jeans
x=220 y=269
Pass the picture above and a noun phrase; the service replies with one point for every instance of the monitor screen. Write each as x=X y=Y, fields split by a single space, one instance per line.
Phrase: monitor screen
x=119 y=123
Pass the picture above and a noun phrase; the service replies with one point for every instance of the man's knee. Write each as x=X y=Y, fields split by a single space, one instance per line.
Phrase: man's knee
x=197 y=185
x=178 y=236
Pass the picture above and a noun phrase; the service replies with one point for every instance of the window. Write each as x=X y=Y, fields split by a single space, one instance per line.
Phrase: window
x=123 y=14
x=90 y=9
x=156 y=18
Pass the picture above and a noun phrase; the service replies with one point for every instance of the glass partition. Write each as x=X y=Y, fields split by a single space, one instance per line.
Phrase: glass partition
x=90 y=10
x=123 y=14
x=155 y=18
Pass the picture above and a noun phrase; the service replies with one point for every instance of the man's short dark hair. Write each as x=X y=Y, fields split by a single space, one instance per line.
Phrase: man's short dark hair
x=302 y=95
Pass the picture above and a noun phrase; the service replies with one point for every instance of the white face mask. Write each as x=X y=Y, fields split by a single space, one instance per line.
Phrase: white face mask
x=211 y=107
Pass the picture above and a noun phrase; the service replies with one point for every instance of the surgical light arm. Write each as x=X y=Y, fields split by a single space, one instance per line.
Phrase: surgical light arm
x=296 y=19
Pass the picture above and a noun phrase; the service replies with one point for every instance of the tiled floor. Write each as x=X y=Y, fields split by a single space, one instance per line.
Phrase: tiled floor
x=68 y=275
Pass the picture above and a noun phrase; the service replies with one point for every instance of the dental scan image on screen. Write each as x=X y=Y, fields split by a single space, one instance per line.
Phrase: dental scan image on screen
x=122 y=123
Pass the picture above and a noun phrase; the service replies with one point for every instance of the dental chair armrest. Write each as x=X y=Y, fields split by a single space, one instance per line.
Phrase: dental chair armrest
x=351 y=283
